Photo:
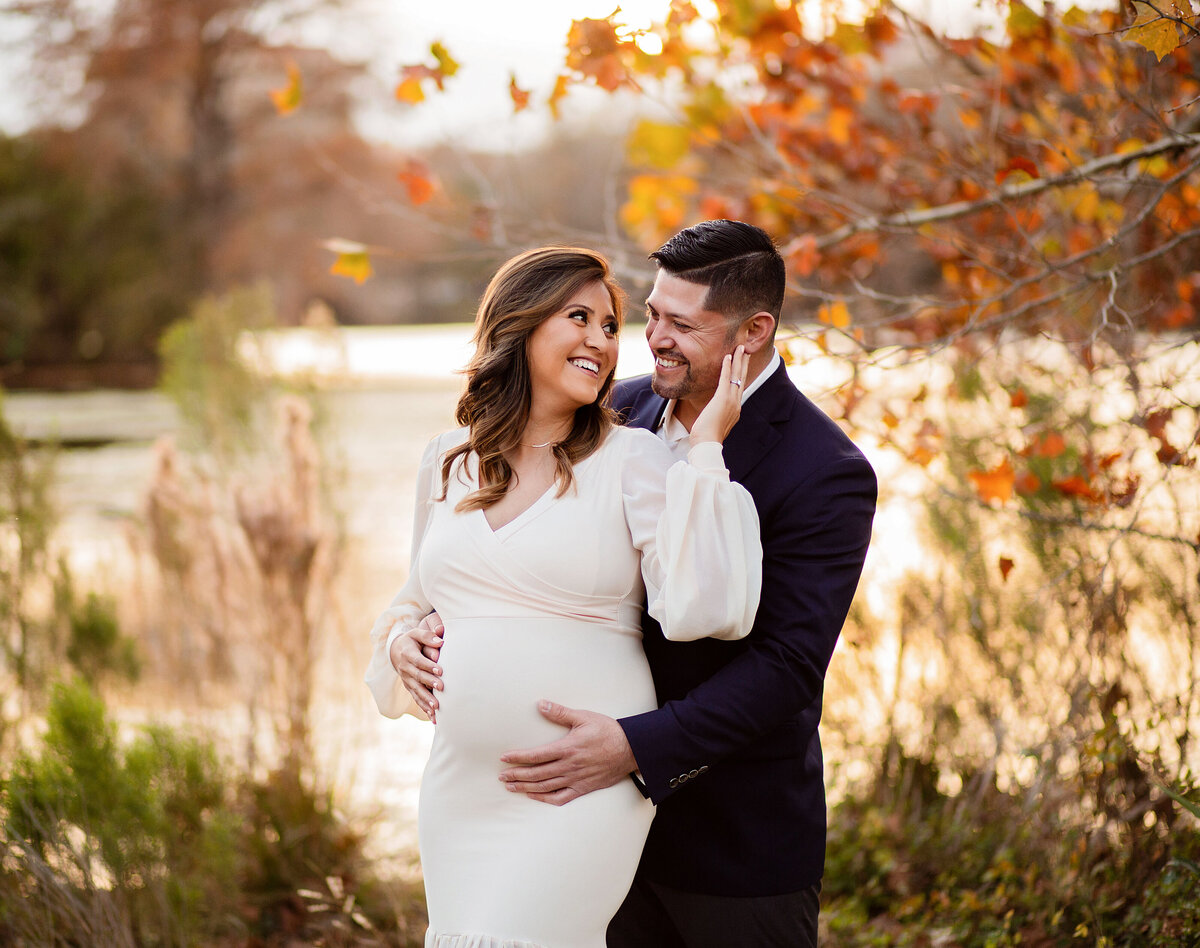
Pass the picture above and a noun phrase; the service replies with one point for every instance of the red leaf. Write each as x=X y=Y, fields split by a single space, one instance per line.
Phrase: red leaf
x=1006 y=566
x=1027 y=483
x=1015 y=164
x=1156 y=423
x=1076 y=486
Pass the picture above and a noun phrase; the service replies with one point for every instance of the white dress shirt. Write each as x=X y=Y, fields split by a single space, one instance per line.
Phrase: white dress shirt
x=671 y=430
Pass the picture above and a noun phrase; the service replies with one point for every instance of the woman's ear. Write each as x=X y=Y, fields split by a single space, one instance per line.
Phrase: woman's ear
x=757 y=331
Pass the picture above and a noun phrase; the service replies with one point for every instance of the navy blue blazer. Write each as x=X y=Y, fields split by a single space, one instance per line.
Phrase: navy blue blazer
x=732 y=757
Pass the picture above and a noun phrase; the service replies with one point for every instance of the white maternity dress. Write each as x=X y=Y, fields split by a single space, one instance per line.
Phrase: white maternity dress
x=548 y=606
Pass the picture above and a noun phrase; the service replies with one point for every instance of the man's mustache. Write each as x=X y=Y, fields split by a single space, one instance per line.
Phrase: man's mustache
x=672 y=355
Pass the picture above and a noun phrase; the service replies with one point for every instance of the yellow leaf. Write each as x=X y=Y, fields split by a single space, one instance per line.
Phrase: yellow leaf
x=1153 y=31
x=1075 y=17
x=657 y=144
x=1022 y=21
x=657 y=205
x=290 y=96
x=353 y=259
x=834 y=314
x=850 y=39
x=445 y=61
x=410 y=91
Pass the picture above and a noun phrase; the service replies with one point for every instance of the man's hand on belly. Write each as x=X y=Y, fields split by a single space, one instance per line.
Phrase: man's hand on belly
x=594 y=755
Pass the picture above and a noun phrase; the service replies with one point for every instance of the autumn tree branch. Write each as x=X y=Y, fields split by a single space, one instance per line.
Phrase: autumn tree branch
x=1024 y=189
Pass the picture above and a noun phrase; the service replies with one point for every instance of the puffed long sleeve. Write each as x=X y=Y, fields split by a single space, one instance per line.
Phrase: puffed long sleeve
x=409 y=606
x=698 y=534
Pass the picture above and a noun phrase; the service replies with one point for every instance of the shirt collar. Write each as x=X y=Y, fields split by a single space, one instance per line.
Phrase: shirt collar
x=673 y=431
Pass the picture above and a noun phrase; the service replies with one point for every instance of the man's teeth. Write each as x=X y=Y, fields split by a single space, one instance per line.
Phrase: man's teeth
x=667 y=363
x=587 y=365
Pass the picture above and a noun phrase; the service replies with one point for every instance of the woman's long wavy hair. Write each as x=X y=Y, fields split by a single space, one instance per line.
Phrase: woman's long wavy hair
x=525 y=291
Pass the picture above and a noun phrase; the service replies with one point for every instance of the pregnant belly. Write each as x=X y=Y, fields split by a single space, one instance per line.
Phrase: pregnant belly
x=495 y=670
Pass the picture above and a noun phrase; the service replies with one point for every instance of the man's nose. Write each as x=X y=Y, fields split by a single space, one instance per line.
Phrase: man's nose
x=657 y=335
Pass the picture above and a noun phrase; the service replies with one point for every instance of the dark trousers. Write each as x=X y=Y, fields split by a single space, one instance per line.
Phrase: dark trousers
x=654 y=916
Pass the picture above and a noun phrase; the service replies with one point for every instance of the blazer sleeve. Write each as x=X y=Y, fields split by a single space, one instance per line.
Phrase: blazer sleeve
x=814 y=545
x=409 y=606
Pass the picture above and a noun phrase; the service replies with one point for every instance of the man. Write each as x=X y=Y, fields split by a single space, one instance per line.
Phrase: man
x=731 y=758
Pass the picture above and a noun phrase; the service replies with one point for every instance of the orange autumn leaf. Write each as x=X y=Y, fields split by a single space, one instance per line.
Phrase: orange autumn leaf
x=519 y=96
x=1049 y=445
x=593 y=49
x=803 y=254
x=1019 y=398
x=838 y=125
x=417 y=181
x=995 y=484
x=1006 y=565
x=835 y=314
x=409 y=90
x=557 y=94
x=288 y=98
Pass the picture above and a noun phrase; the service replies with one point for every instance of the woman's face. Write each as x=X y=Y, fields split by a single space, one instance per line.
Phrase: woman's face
x=573 y=352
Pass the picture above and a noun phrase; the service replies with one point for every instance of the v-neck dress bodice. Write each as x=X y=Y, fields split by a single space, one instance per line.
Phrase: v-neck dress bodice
x=548 y=606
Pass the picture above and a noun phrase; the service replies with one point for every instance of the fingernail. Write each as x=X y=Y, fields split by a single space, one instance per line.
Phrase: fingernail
x=544 y=705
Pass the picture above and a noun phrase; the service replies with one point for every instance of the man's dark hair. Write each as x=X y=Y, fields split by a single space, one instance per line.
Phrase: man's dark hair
x=738 y=262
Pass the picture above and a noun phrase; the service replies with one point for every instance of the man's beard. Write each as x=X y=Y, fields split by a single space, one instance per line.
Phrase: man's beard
x=679 y=389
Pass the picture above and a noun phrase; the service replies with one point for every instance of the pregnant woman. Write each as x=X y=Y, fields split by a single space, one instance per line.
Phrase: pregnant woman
x=541 y=527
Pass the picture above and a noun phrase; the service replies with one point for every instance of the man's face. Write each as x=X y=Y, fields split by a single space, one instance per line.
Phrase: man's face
x=687 y=340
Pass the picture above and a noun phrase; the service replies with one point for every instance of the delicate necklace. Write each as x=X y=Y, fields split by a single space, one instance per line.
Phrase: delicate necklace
x=544 y=444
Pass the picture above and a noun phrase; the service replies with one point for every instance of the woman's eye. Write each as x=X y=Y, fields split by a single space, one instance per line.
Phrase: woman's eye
x=578 y=314
x=611 y=328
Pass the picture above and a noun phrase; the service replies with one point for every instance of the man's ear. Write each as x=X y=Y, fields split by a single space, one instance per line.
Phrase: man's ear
x=757 y=331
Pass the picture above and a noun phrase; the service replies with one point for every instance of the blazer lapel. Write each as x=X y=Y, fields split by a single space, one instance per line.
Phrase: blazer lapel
x=753 y=435
x=755 y=432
